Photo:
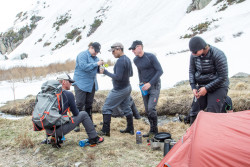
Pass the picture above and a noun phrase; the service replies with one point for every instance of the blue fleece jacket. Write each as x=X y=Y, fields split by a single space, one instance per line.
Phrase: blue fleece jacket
x=85 y=71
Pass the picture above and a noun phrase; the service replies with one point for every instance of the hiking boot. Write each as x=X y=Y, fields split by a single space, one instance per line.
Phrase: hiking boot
x=101 y=133
x=77 y=129
x=137 y=117
x=130 y=126
x=95 y=141
x=55 y=143
x=106 y=125
x=128 y=131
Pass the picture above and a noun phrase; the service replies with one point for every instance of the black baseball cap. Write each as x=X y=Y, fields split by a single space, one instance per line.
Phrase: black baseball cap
x=96 y=46
x=134 y=44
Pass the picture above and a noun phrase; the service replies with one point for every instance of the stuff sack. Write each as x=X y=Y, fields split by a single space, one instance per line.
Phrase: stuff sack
x=228 y=105
x=46 y=114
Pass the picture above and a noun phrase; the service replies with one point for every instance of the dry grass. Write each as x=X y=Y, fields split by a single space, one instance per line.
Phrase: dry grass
x=20 y=146
x=24 y=141
x=240 y=93
x=30 y=73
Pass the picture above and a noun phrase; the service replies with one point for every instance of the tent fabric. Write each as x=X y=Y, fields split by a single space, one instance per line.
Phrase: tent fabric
x=213 y=140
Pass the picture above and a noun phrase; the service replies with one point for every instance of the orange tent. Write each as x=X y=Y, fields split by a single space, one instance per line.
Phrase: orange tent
x=214 y=140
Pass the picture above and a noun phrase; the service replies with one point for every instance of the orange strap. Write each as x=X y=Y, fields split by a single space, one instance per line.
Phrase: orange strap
x=52 y=132
x=67 y=109
x=35 y=127
x=46 y=112
x=58 y=99
x=72 y=120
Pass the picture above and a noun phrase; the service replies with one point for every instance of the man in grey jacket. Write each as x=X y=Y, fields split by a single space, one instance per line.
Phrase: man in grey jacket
x=208 y=75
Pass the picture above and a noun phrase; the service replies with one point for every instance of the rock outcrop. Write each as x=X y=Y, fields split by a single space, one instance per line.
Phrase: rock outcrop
x=197 y=5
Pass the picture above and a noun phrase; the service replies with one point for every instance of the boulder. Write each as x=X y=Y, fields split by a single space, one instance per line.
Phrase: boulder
x=197 y=5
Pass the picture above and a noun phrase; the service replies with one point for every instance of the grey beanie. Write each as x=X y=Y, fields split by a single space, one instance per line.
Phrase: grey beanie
x=196 y=43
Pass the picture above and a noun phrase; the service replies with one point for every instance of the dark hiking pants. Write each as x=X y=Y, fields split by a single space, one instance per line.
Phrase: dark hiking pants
x=151 y=99
x=213 y=101
x=84 y=100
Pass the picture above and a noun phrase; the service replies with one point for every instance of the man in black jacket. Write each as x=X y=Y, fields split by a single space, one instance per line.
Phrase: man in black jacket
x=208 y=75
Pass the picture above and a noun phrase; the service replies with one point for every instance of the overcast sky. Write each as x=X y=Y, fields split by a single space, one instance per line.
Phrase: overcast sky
x=9 y=10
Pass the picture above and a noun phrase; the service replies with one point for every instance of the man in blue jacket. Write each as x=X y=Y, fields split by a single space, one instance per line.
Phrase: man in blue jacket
x=120 y=94
x=87 y=65
x=149 y=71
x=208 y=75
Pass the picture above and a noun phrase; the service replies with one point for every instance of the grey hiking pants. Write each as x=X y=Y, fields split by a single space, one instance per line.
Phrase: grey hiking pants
x=151 y=99
x=117 y=98
x=83 y=118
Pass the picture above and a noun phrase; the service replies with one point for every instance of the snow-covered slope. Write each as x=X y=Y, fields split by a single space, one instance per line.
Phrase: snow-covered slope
x=159 y=24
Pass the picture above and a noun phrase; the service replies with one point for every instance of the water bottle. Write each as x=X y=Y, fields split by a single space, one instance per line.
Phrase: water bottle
x=143 y=92
x=83 y=143
x=138 y=137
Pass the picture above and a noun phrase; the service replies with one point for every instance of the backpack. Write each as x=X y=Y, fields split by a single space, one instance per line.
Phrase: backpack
x=48 y=105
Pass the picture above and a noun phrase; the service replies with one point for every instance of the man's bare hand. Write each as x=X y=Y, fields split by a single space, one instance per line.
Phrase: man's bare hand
x=146 y=86
x=100 y=62
x=195 y=92
x=202 y=91
x=101 y=70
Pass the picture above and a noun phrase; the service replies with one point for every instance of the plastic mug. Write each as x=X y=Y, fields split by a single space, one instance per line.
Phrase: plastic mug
x=83 y=143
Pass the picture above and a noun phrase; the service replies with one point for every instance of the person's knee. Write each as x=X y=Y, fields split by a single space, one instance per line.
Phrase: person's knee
x=214 y=108
x=83 y=114
x=152 y=114
x=151 y=109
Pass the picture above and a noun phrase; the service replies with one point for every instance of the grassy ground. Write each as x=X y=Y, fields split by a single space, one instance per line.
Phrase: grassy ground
x=20 y=146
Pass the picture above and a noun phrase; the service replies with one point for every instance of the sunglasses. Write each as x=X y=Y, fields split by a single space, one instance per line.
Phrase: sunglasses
x=115 y=48
x=195 y=52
